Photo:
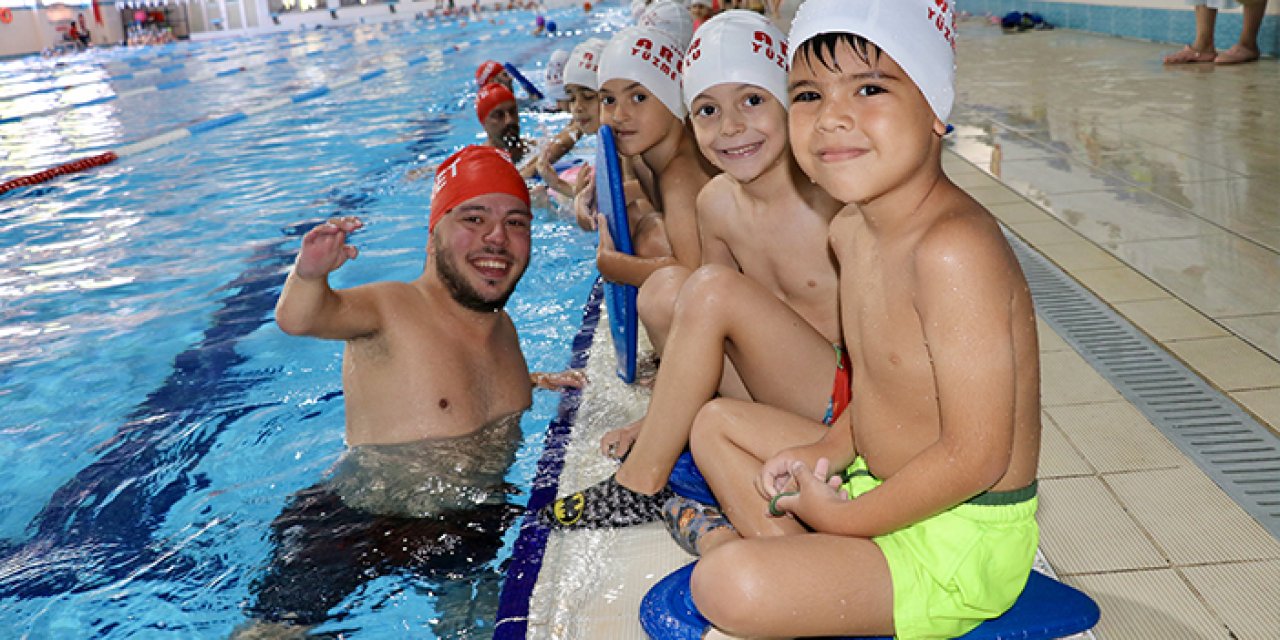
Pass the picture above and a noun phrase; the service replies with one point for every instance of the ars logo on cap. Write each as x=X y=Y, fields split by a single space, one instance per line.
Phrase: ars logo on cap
x=664 y=60
x=775 y=52
x=938 y=15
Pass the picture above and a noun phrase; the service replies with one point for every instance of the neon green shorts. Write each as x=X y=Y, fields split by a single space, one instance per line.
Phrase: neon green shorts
x=961 y=567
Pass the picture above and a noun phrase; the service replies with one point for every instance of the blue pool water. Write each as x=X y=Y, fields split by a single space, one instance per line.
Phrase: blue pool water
x=154 y=419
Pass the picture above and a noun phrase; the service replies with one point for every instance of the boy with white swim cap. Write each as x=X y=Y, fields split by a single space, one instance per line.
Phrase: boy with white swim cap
x=554 y=75
x=640 y=99
x=765 y=297
x=580 y=85
x=914 y=514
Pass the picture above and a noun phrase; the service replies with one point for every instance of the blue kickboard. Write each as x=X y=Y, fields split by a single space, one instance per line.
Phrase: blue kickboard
x=1046 y=609
x=686 y=480
x=620 y=298
x=529 y=87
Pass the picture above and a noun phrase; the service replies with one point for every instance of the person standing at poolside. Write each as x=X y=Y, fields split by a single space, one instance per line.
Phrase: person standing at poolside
x=434 y=382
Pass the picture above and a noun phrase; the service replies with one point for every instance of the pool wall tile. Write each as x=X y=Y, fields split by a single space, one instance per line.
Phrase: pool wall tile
x=1174 y=26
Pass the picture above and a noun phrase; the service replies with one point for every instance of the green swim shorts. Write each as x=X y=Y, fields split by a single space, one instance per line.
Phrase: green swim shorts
x=961 y=567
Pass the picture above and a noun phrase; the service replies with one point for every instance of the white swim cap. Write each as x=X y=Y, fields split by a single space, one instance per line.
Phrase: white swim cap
x=672 y=17
x=918 y=34
x=584 y=63
x=637 y=8
x=705 y=3
x=555 y=75
x=648 y=56
x=738 y=47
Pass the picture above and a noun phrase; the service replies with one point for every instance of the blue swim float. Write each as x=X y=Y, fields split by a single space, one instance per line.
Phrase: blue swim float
x=1046 y=609
x=620 y=298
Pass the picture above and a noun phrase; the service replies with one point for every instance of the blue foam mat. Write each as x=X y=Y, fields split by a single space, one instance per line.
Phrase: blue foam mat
x=687 y=480
x=1046 y=609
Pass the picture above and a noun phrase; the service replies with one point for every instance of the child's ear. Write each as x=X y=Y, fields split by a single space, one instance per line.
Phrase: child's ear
x=939 y=128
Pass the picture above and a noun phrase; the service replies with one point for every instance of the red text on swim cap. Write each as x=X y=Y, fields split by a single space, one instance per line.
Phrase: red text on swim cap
x=664 y=60
x=763 y=44
x=944 y=21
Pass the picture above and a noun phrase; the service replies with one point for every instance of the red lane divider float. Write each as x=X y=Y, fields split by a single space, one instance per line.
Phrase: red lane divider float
x=60 y=170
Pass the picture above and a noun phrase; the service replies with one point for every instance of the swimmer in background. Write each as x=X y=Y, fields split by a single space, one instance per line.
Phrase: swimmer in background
x=640 y=99
x=581 y=85
x=914 y=515
x=758 y=321
x=432 y=371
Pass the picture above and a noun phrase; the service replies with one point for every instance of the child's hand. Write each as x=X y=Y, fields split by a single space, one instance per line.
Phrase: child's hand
x=814 y=490
x=324 y=248
x=584 y=205
x=570 y=379
x=606 y=239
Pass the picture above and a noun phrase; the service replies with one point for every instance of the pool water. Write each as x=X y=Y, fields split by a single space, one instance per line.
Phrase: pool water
x=154 y=418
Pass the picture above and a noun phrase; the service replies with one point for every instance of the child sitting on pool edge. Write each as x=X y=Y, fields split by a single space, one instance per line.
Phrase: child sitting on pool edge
x=765 y=297
x=914 y=515
x=640 y=99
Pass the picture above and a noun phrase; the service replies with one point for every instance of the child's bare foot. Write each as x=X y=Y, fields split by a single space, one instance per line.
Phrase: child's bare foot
x=1190 y=55
x=1237 y=54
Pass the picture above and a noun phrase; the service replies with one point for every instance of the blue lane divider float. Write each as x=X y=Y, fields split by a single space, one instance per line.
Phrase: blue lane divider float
x=1046 y=609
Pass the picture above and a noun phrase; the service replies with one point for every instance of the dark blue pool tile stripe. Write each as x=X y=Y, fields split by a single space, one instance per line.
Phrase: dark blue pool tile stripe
x=531 y=545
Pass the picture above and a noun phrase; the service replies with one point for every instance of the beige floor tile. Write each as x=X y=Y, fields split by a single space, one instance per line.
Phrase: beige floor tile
x=1251 y=613
x=1169 y=319
x=1120 y=285
x=1075 y=514
x=1044 y=232
x=1218 y=273
x=1068 y=379
x=1229 y=363
x=1148 y=605
x=1263 y=403
x=1190 y=518
x=1050 y=341
x=994 y=195
x=1114 y=437
x=1019 y=212
x=1261 y=331
x=1058 y=458
x=1080 y=255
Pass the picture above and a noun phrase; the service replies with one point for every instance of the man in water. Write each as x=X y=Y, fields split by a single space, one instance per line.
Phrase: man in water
x=499 y=114
x=434 y=383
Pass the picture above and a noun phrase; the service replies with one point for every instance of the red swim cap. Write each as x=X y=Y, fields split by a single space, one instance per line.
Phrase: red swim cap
x=487 y=70
x=491 y=95
x=473 y=171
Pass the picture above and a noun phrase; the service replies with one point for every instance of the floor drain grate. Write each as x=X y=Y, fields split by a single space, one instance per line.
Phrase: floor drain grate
x=1240 y=454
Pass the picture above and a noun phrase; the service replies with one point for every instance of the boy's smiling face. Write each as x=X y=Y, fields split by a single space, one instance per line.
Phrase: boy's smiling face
x=859 y=127
x=741 y=128
x=638 y=118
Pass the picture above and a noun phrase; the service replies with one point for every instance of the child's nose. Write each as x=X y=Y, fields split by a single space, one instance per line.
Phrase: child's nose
x=835 y=113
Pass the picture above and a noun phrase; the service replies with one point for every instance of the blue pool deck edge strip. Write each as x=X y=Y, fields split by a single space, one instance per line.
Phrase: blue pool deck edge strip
x=526 y=559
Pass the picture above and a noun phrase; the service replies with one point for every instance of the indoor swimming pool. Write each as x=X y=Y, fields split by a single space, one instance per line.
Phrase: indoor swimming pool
x=155 y=419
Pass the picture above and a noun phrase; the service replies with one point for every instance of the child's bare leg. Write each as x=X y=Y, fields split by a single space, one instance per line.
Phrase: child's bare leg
x=721 y=310
x=806 y=585
x=731 y=439
x=656 y=302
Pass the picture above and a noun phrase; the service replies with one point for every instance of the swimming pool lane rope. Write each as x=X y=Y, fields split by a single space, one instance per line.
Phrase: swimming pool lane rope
x=215 y=122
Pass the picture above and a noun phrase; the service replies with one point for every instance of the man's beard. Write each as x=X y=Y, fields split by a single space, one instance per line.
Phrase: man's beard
x=462 y=291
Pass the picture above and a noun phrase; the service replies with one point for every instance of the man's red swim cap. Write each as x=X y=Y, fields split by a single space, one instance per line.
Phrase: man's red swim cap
x=474 y=171
x=491 y=95
x=487 y=71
